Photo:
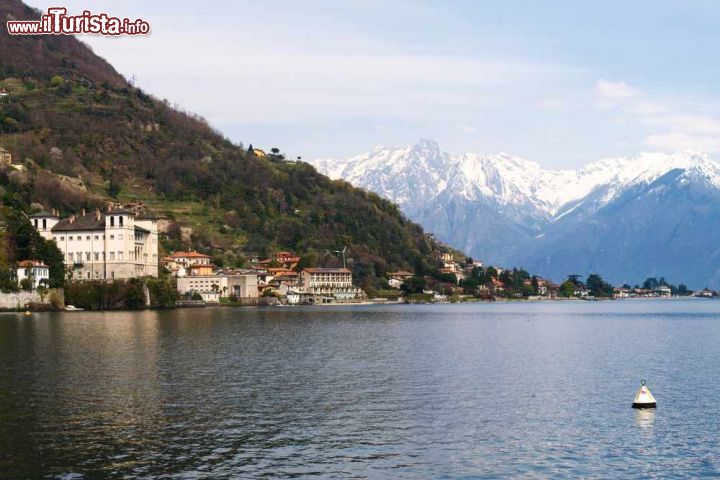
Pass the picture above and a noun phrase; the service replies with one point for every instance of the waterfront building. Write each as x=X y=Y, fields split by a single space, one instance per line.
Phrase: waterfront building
x=35 y=270
x=117 y=244
x=241 y=285
x=327 y=285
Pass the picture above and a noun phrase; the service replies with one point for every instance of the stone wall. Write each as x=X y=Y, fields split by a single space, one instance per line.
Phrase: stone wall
x=18 y=300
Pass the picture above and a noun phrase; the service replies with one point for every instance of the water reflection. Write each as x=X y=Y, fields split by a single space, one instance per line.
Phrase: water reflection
x=645 y=418
x=454 y=391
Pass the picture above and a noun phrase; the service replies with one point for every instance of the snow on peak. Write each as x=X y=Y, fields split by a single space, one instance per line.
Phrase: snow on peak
x=414 y=175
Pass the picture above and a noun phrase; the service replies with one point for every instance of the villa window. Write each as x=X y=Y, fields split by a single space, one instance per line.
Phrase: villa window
x=120 y=219
x=112 y=221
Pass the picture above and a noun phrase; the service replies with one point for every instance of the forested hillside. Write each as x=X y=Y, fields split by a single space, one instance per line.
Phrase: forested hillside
x=82 y=135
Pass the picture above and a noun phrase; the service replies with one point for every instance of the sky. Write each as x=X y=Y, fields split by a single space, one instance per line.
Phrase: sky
x=562 y=83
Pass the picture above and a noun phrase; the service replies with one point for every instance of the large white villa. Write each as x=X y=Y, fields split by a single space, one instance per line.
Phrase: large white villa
x=116 y=244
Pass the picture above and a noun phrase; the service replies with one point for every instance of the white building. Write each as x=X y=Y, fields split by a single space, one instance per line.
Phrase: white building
x=116 y=244
x=35 y=270
x=241 y=285
x=325 y=285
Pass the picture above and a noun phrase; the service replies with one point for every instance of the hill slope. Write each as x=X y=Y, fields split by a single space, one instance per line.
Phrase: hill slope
x=70 y=115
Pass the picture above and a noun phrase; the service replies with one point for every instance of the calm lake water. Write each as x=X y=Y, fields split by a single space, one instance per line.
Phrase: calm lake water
x=447 y=391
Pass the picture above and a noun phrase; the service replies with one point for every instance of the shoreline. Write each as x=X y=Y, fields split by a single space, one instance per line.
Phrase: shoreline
x=368 y=303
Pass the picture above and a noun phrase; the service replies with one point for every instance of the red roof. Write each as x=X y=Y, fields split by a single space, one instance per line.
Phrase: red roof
x=401 y=273
x=32 y=263
x=192 y=254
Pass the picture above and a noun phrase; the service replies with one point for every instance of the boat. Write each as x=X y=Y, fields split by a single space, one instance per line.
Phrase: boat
x=73 y=308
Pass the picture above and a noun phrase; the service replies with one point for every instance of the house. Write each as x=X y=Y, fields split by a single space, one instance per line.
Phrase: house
x=326 y=285
x=201 y=270
x=542 y=286
x=496 y=286
x=116 y=244
x=3 y=93
x=5 y=157
x=664 y=291
x=622 y=292
x=397 y=279
x=288 y=260
x=187 y=259
x=705 y=293
x=35 y=270
x=446 y=257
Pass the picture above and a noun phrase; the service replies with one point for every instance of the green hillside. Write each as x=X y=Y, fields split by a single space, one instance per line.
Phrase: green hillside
x=86 y=136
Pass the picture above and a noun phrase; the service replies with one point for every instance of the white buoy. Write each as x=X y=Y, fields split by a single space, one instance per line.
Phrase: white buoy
x=643 y=397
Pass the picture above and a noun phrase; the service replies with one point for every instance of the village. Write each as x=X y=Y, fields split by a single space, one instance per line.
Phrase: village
x=124 y=242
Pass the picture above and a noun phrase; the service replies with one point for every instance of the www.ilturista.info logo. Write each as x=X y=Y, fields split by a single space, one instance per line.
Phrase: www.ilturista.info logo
x=58 y=22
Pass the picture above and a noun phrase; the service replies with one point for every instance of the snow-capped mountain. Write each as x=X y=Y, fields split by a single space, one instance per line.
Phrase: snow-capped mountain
x=511 y=211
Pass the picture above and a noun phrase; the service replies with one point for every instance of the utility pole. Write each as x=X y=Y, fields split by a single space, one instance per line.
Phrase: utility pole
x=342 y=252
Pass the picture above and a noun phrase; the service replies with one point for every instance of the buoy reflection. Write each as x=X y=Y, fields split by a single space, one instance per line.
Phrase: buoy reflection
x=645 y=418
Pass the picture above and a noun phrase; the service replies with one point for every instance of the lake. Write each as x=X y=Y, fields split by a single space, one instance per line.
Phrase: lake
x=523 y=389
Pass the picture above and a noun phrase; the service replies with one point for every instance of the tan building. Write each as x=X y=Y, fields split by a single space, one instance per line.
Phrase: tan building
x=116 y=244
x=241 y=285
x=187 y=259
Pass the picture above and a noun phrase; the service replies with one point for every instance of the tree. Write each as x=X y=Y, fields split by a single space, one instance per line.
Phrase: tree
x=42 y=291
x=574 y=278
x=413 y=285
x=650 y=283
x=114 y=187
x=26 y=284
x=567 y=289
x=597 y=286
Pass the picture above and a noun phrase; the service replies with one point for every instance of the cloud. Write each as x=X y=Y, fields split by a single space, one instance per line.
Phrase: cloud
x=668 y=126
x=614 y=91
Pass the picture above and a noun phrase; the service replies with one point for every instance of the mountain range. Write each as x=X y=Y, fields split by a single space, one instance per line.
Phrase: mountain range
x=627 y=218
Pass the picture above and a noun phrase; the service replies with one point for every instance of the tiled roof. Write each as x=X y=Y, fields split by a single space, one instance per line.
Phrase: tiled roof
x=401 y=273
x=89 y=221
x=327 y=270
x=188 y=254
x=32 y=263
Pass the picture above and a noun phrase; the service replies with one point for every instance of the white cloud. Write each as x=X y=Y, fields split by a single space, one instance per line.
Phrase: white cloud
x=614 y=91
x=668 y=126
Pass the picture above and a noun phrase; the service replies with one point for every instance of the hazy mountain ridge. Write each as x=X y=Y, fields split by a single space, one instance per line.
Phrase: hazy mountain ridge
x=508 y=210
